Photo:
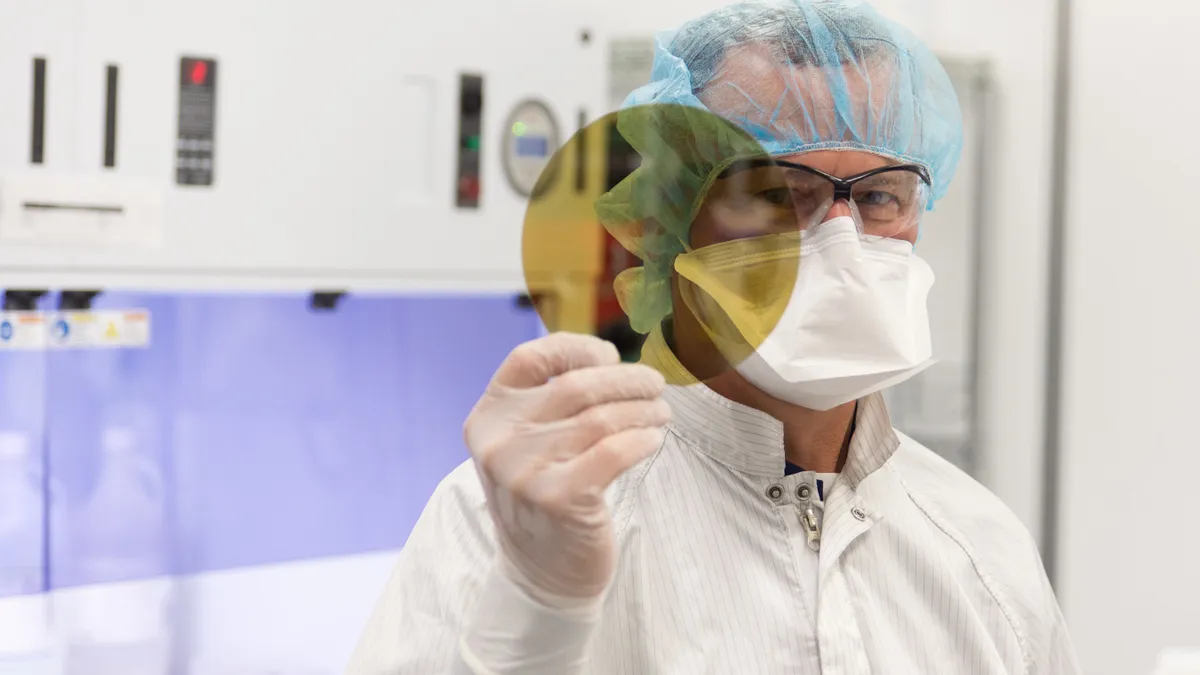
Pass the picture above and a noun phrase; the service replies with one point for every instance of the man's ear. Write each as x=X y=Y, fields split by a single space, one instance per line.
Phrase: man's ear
x=691 y=344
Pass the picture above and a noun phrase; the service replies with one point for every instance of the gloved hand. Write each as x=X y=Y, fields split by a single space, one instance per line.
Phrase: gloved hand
x=561 y=419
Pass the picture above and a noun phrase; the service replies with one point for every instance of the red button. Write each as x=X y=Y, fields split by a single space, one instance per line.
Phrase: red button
x=468 y=188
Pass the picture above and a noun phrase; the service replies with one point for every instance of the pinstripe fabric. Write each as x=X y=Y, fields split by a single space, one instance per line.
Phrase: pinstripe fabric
x=920 y=569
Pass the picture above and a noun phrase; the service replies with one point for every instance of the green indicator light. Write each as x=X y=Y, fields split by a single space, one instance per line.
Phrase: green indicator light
x=472 y=142
x=519 y=129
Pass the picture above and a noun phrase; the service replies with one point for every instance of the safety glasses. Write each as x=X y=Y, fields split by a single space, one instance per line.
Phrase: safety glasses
x=885 y=202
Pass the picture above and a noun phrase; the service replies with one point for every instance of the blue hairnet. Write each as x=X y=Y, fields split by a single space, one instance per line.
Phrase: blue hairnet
x=794 y=76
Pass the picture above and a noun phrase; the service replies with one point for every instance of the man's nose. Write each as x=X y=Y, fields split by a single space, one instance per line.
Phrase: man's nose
x=839 y=209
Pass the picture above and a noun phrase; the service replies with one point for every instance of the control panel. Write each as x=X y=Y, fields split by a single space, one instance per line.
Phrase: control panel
x=470 y=132
x=194 y=142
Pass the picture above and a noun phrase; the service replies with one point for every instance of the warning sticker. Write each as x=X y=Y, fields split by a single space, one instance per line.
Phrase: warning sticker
x=75 y=330
x=22 y=330
x=112 y=328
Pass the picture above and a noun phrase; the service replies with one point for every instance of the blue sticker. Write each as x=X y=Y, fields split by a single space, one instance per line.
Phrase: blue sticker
x=62 y=329
x=6 y=330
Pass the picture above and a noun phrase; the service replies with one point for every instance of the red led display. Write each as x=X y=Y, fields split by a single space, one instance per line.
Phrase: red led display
x=199 y=72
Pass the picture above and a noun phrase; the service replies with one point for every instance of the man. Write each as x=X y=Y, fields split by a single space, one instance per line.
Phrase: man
x=738 y=502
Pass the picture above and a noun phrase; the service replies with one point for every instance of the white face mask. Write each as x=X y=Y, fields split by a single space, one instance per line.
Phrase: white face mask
x=855 y=322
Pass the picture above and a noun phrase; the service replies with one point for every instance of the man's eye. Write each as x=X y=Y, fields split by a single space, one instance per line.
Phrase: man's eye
x=876 y=198
x=775 y=196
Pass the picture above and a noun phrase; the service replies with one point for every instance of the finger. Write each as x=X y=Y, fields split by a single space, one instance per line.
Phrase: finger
x=572 y=393
x=579 y=433
x=613 y=455
x=535 y=362
x=557 y=442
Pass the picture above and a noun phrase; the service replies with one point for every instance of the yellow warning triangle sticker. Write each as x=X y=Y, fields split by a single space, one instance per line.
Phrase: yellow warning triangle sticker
x=111 y=331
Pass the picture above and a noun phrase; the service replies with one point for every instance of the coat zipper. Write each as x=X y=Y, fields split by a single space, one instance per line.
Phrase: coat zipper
x=812 y=526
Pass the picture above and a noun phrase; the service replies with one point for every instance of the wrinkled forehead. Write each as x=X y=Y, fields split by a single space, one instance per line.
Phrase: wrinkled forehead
x=801 y=106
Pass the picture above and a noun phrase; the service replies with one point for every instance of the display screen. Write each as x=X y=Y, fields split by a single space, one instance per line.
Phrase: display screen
x=532 y=146
x=197 y=72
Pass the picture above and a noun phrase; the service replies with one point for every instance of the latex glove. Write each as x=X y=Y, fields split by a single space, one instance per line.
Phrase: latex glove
x=561 y=419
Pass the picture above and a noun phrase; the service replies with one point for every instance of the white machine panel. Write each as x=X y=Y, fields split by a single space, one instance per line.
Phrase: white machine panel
x=32 y=30
x=336 y=133
x=69 y=210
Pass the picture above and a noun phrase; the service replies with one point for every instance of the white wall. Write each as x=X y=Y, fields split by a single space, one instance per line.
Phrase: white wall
x=1130 y=573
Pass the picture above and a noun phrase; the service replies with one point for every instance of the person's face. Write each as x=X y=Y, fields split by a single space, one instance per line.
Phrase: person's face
x=752 y=85
x=755 y=203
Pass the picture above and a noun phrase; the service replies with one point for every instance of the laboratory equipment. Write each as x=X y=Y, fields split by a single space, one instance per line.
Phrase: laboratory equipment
x=215 y=147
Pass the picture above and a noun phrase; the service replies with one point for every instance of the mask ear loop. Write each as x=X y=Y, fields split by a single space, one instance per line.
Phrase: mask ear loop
x=925 y=207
